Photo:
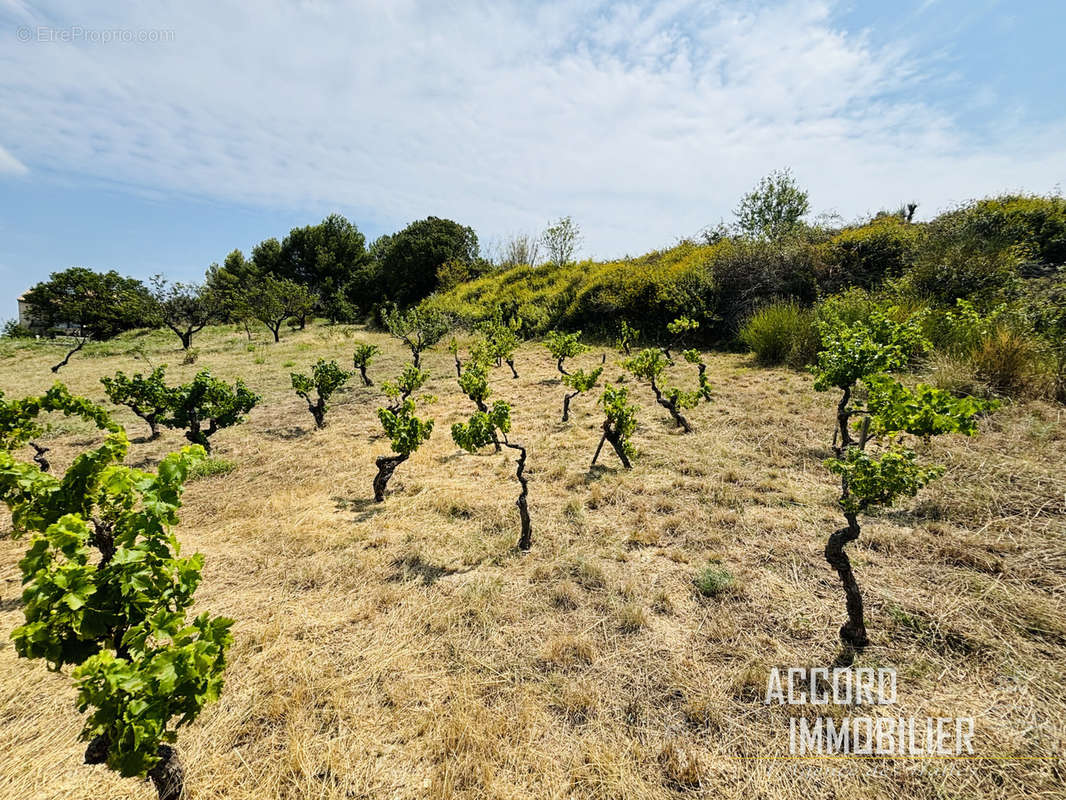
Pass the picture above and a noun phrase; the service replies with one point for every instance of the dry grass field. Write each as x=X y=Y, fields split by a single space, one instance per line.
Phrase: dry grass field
x=409 y=650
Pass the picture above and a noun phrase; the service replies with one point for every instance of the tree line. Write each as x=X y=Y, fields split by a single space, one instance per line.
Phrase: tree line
x=324 y=270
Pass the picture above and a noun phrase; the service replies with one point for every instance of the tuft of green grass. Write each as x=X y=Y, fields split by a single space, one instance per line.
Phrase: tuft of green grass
x=210 y=467
x=782 y=333
x=713 y=581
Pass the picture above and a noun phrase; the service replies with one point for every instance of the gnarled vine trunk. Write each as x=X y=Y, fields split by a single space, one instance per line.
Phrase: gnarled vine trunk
x=198 y=435
x=525 y=540
x=364 y=376
x=38 y=456
x=852 y=632
x=566 y=405
x=671 y=406
x=612 y=436
x=318 y=411
x=386 y=466
x=514 y=372
x=704 y=387
x=168 y=775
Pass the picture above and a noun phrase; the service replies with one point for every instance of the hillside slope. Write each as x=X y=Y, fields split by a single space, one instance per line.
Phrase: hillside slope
x=408 y=650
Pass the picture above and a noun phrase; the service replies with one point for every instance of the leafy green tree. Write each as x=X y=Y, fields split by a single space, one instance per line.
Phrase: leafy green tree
x=206 y=405
x=489 y=426
x=875 y=467
x=90 y=304
x=118 y=617
x=580 y=381
x=328 y=258
x=185 y=308
x=411 y=260
x=230 y=285
x=147 y=396
x=619 y=424
x=266 y=260
x=272 y=301
x=11 y=329
x=326 y=378
x=364 y=354
x=774 y=208
x=406 y=433
x=419 y=328
x=562 y=346
x=650 y=364
x=561 y=240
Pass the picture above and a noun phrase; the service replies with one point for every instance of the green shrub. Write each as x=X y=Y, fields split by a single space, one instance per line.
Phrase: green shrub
x=562 y=346
x=407 y=432
x=618 y=426
x=106 y=592
x=502 y=338
x=146 y=396
x=580 y=381
x=489 y=426
x=409 y=381
x=1006 y=359
x=651 y=363
x=849 y=306
x=962 y=330
x=869 y=454
x=713 y=581
x=364 y=354
x=326 y=378
x=12 y=330
x=1046 y=309
x=648 y=291
x=867 y=255
x=628 y=336
x=1033 y=226
x=782 y=333
x=206 y=405
x=748 y=275
x=943 y=275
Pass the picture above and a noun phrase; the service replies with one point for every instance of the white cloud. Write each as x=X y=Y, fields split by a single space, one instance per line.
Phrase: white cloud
x=10 y=164
x=644 y=121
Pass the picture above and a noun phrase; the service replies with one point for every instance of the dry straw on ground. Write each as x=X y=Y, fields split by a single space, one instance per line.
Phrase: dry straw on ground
x=408 y=650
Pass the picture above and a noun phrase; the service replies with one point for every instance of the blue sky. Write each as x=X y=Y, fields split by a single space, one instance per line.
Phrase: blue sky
x=643 y=121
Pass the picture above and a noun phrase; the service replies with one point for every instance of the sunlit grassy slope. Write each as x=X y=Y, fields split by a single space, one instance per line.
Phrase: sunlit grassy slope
x=408 y=650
